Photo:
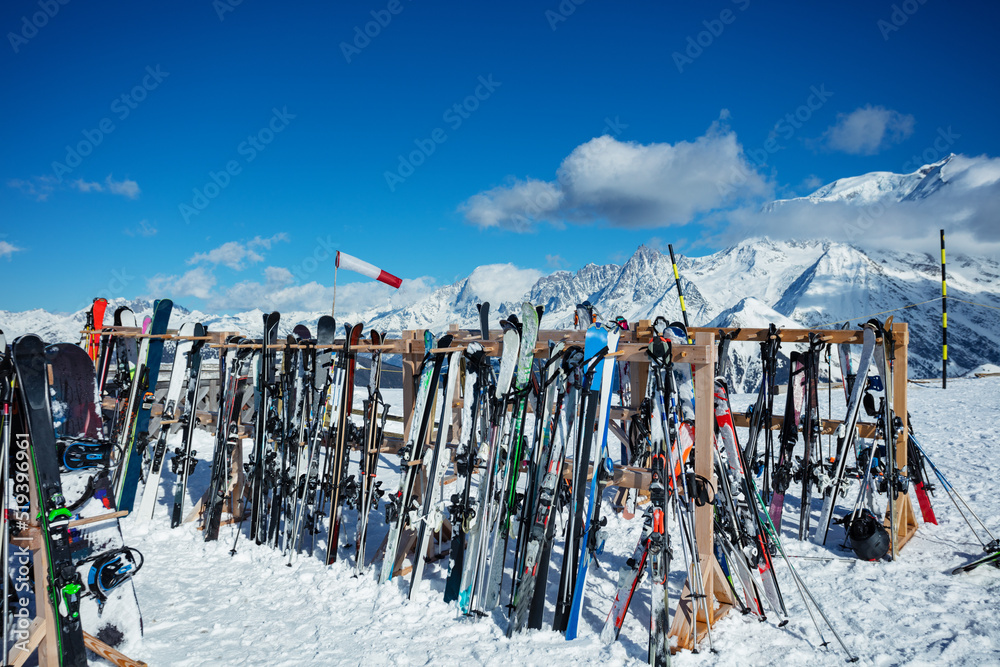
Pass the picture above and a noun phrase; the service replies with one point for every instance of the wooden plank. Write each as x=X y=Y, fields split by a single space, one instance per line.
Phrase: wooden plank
x=827 y=426
x=111 y=655
x=98 y=519
x=20 y=651
x=850 y=336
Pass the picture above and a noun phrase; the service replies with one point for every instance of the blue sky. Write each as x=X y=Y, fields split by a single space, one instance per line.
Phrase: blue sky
x=230 y=147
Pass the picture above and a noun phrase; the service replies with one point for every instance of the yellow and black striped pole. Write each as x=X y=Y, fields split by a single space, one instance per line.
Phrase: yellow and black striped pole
x=944 y=320
x=680 y=292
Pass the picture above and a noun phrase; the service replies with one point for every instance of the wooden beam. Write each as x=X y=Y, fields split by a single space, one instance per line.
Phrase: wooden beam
x=852 y=336
x=116 y=658
x=827 y=426
x=704 y=442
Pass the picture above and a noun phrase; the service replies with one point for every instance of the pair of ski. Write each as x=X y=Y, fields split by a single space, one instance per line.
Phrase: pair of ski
x=185 y=373
x=801 y=409
x=235 y=361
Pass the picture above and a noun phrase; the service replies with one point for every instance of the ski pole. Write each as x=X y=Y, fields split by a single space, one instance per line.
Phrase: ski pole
x=680 y=292
x=956 y=498
x=5 y=395
x=803 y=591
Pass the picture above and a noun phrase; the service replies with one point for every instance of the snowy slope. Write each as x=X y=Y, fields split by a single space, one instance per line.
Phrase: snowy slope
x=204 y=607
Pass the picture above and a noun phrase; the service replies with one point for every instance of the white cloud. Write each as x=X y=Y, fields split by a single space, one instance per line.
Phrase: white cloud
x=232 y=254
x=965 y=207
x=38 y=187
x=266 y=243
x=868 y=129
x=627 y=184
x=87 y=186
x=556 y=261
x=499 y=283
x=278 y=275
x=278 y=292
x=811 y=183
x=198 y=282
x=126 y=188
x=516 y=206
x=8 y=249
x=237 y=254
x=144 y=228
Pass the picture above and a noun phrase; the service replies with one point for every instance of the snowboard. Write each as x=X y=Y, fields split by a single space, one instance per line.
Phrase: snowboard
x=117 y=619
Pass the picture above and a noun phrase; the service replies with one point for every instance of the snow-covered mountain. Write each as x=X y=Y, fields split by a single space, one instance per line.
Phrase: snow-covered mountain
x=879 y=186
x=751 y=284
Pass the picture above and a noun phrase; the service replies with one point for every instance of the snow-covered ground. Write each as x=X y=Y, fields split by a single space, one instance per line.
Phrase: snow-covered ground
x=205 y=607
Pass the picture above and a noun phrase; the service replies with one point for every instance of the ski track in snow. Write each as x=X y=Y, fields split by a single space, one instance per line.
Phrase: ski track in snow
x=204 y=607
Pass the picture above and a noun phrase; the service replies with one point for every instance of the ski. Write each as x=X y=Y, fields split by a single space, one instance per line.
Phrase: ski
x=629 y=577
x=992 y=558
x=795 y=397
x=376 y=411
x=592 y=540
x=480 y=524
x=429 y=517
x=135 y=434
x=847 y=434
x=183 y=357
x=397 y=511
x=183 y=462
x=342 y=486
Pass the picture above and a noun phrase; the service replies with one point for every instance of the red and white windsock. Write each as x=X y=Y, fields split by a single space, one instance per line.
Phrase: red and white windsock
x=351 y=263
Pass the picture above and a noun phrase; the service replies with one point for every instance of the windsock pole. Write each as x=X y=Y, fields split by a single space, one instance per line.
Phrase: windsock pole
x=944 y=320
x=333 y=306
x=677 y=279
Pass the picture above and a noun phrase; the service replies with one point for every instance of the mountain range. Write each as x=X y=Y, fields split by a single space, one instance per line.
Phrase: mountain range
x=757 y=281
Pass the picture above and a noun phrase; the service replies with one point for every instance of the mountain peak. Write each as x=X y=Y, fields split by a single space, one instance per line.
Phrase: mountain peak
x=876 y=187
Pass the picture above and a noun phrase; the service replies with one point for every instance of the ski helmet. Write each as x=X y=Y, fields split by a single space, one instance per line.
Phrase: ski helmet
x=869 y=538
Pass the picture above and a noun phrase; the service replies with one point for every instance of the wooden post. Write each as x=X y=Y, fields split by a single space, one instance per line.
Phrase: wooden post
x=410 y=362
x=638 y=371
x=906 y=520
x=690 y=613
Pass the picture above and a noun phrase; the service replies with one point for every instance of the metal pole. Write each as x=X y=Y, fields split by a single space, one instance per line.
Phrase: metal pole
x=333 y=307
x=677 y=279
x=944 y=320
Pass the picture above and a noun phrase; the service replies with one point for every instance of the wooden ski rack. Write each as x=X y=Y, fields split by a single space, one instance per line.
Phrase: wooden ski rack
x=631 y=348
x=690 y=621
x=906 y=522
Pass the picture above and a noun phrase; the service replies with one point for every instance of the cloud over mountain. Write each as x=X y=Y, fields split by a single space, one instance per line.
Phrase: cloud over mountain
x=627 y=184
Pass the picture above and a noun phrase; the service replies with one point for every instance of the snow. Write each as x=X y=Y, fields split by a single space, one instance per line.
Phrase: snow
x=205 y=607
